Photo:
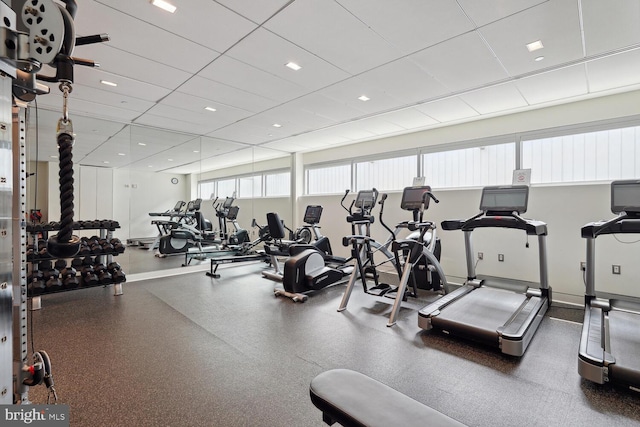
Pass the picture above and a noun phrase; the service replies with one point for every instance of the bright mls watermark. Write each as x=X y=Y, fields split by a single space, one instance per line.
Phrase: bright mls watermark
x=34 y=415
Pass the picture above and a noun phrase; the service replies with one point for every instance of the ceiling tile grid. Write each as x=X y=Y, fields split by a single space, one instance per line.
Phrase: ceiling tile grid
x=419 y=64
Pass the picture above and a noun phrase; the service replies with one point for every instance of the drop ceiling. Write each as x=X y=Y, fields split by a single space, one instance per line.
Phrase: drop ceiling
x=421 y=63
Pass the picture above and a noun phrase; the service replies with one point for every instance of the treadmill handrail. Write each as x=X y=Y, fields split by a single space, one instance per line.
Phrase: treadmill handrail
x=622 y=224
x=531 y=226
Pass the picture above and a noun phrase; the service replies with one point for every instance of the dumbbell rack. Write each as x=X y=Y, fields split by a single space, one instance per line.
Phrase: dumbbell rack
x=106 y=232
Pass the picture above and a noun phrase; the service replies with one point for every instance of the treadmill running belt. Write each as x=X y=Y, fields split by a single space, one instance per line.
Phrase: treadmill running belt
x=480 y=313
x=624 y=334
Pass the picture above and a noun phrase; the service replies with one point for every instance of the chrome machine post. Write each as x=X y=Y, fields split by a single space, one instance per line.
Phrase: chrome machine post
x=20 y=307
x=468 y=248
x=542 y=254
x=7 y=72
x=590 y=270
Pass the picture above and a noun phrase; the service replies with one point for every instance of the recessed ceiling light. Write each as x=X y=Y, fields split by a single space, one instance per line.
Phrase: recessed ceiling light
x=539 y=58
x=364 y=98
x=170 y=160
x=142 y=144
x=164 y=5
x=210 y=109
x=150 y=166
x=535 y=45
x=277 y=125
x=108 y=83
x=106 y=162
x=293 y=66
x=121 y=154
x=196 y=151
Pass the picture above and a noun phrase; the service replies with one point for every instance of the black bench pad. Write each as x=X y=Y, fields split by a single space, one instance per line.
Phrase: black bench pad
x=353 y=399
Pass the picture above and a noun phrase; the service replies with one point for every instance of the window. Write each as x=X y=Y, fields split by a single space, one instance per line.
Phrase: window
x=207 y=189
x=226 y=188
x=277 y=184
x=329 y=179
x=250 y=186
x=594 y=156
x=470 y=167
x=386 y=174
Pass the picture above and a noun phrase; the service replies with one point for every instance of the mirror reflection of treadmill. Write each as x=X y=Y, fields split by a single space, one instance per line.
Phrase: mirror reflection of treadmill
x=610 y=340
x=502 y=312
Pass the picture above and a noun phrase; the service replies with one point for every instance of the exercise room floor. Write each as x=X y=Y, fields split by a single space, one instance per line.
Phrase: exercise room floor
x=190 y=350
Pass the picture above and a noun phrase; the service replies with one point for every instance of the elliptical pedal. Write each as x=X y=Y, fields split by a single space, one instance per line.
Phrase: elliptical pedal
x=380 y=290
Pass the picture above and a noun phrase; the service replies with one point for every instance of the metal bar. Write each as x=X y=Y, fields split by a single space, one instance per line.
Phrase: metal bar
x=468 y=248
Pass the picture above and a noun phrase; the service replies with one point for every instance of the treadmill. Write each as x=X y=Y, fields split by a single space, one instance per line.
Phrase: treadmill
x=610 y=341
x=497 y=311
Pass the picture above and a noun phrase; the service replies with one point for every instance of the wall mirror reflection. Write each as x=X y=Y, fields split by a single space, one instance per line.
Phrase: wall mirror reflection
x=154 y=182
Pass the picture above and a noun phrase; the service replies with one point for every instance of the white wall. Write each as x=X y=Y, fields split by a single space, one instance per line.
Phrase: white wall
x=138 y=193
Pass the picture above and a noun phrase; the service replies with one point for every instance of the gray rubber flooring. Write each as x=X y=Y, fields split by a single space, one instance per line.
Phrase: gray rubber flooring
x=195 y=351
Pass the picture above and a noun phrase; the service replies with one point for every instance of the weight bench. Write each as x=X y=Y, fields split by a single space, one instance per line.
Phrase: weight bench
x=353 y=399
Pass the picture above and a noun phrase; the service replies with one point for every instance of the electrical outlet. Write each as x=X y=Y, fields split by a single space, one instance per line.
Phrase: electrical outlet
x=615 y=269
x=480 y=255
x=583 y=266
x=501 y=257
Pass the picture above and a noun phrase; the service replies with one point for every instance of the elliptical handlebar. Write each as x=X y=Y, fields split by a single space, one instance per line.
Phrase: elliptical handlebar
x=430 y=194
x=346 y=193
x=383 y=198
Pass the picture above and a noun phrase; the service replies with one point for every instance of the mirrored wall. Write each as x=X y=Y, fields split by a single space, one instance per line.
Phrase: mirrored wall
x=136 y=175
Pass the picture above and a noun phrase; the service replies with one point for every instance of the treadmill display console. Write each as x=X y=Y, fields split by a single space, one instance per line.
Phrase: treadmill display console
x=312 y=214
x=511 y=198
x=625 y=196
x=413 y=198
x=228 y=202
x=366 y=199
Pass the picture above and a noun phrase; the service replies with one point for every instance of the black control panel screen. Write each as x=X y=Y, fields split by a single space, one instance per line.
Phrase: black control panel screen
x=505 y=198
x=625 y=196
x=413 y=197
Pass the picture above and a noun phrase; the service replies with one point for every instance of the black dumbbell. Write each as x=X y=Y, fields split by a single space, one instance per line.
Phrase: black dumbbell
x=68 y=276
x=84 y=249
x=60 y=264
x=118 y=247
x=103 y=274
x=107 y=247
x=94 y=246
x=36 y=285
x=116 y=272
x=89 y=277
x=51 y=276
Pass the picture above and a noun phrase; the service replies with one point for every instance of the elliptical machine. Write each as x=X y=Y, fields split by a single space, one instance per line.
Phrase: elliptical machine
x=193 y=232
x=416 y=257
